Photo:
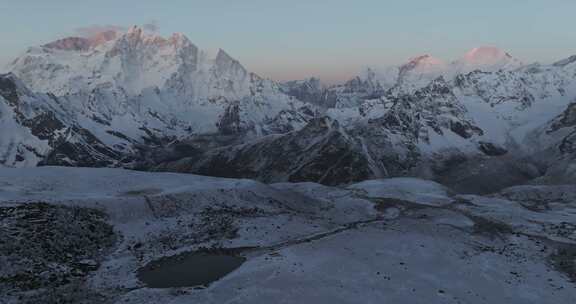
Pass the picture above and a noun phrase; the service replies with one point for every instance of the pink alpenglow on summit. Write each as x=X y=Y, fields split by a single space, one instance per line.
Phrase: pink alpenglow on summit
x=488 y=58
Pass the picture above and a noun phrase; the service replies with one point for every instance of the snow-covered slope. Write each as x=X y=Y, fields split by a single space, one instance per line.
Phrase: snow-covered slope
x=82 y=234
x=555 y=145
x=39 y=127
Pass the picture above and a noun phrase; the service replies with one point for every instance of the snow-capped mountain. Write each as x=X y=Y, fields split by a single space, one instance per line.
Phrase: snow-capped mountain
x=498 y=91
x=407 y=131
x=440 y=130
x=136 y=88
x=136 y=99
x=487 y=59
x=418 y=71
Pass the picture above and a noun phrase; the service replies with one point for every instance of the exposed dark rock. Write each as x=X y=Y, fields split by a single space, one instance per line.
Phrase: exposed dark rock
x=8 y=89
x=484 y=175
x=434 y=106
x=465 y=130
x=311 y=91
x=230 y=122
x=565 y=120
x=320 y=152
x=45 y=247
x=44 y=125
x=564 y=260
x=491 y=149
x=84 y=151
x=119 y=135
x=568 y=144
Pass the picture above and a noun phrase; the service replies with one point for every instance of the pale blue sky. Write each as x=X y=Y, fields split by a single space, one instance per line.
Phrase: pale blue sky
x=331 y=39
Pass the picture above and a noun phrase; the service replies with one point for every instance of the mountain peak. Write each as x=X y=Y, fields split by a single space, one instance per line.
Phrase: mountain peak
x=225 y=63
x=487 y=59
x=222 y=56
x=425 y=59
x=70 y=44
x=422 y=63
x=420 y=69
x=82 y=43
x=136 y=39
x=178 y=37
x=486 y=55
x=135 y=30
x=138 y=34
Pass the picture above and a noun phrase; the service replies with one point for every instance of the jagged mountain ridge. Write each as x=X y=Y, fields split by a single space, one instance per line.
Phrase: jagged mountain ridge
x=108 y=100
x=137 y=88
x=320 y=151
x=441 y=131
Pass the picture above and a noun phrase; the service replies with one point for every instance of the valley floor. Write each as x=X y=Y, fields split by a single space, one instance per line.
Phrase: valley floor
x=78 y=235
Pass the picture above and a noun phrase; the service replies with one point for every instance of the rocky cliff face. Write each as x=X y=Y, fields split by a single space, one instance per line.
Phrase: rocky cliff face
x=321 y=151
x=557 y=147
x=37 y=131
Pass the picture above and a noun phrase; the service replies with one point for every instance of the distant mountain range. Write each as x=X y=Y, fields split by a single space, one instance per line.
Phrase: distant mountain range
x=138 y=100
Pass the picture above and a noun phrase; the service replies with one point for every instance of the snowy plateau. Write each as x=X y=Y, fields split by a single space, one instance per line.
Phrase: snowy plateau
x=126 y=153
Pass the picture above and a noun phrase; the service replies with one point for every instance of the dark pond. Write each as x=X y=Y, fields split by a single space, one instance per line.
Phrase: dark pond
x=189 y=269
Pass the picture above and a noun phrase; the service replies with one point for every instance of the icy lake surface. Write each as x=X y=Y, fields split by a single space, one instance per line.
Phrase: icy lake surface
x=189 y=269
